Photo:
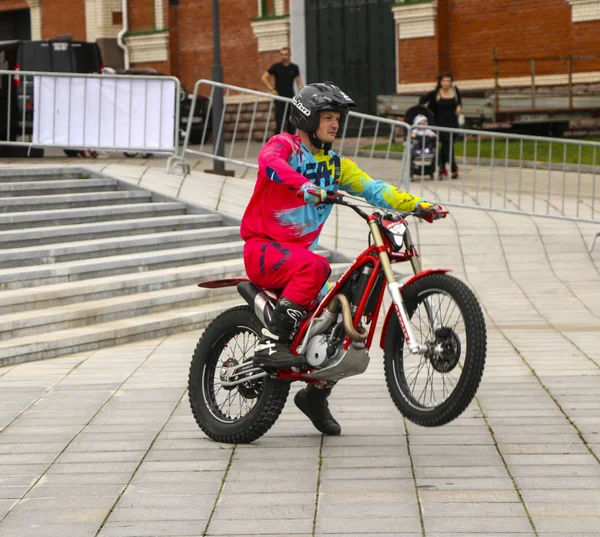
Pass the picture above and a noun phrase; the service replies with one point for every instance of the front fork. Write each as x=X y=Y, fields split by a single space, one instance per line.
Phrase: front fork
x=415 y=262
x=394 y=288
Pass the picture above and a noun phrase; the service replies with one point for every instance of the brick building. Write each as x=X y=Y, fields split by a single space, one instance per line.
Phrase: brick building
x=368 y=46
x=462 y=35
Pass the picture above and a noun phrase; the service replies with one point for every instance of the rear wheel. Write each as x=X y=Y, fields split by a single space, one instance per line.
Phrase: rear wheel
x=434 y=388
x=242 y=413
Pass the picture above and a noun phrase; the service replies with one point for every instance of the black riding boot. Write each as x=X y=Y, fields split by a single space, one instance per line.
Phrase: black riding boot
x=313 y=402
x=273 y=349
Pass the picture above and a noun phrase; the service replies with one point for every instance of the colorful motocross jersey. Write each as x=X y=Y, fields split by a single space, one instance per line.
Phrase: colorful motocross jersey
x=277 y=209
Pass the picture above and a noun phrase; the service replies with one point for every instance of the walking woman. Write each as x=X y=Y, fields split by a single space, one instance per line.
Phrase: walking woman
x=445 y=103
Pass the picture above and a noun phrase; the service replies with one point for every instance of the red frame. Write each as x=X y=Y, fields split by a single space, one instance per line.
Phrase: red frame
x=370 y=255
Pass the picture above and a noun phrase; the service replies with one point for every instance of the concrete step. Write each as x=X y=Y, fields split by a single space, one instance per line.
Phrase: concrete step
x=49 y=345
x=60 y=294
x=14 y=278
x=17 y=325
x=115 y=246
x=68 y=201
x=83 y=265
x=22 y=238
x=19 y=175
x=61 y=186
x=82 y=215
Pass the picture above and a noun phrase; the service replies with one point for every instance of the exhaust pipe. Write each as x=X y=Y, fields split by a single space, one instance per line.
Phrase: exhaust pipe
x=355 y=334
x=263 y=307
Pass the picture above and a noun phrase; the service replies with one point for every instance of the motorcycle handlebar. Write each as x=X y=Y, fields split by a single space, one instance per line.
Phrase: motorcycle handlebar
x=427 y=213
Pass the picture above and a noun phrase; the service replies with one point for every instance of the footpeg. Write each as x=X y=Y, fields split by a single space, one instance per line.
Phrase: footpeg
x=232 y=374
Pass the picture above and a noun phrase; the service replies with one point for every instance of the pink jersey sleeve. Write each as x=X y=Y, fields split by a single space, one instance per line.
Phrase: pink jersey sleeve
x=273 y=161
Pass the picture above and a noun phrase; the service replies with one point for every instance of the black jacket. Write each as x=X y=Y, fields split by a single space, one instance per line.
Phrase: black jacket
x=442 y=119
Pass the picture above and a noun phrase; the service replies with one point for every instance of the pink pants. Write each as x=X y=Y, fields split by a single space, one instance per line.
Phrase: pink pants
x=294 y=271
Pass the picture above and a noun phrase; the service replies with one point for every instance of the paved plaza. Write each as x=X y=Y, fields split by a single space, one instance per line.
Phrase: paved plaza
x=103 y=443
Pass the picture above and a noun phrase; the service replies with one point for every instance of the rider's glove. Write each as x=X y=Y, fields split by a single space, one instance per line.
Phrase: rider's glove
x=312 y=193
x=430 y=212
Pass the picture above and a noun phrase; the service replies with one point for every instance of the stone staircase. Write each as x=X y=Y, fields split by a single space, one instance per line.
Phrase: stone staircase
x=88 y=262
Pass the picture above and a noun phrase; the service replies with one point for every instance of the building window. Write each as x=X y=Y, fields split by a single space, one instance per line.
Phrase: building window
x=271 y=8
x=272 y=26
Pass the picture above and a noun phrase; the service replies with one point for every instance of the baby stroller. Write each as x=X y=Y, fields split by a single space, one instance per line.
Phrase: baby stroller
x=423 y=150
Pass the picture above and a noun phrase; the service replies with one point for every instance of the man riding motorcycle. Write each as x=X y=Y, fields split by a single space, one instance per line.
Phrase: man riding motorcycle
x=285 y=216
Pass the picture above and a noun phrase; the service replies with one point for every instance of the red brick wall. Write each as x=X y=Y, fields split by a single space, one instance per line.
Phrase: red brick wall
x=141 y=14
x=442 y=33
x=8 y=5
x=172 y=22
x=61 y=17
x=476 y=28
x=467 y=31
x=418 y=59
x=242 y=64
x=585 y=41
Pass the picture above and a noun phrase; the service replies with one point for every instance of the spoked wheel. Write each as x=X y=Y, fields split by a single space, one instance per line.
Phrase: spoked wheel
x=232 y=414
x=434 y=388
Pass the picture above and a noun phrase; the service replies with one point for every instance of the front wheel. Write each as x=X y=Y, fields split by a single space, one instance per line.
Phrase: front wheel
x=434 y=388
x=242 y=413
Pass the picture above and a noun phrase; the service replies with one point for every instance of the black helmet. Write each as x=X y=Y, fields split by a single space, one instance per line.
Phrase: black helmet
x=313 y=99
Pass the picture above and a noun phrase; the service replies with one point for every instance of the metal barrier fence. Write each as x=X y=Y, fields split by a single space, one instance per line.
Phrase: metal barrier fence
x=591 y=248
x=532 y=175
x=89 y=111
x=503 y=172
x=232 y=94
x=243 y=123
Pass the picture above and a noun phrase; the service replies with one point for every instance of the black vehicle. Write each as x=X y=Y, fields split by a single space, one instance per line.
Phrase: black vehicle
x=200 y=113
x=53 y=56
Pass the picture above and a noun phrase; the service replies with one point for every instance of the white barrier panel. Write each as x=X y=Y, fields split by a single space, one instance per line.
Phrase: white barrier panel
x=104 y=112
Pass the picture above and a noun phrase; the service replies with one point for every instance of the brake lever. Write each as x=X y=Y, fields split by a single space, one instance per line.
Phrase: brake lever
x=333 y=198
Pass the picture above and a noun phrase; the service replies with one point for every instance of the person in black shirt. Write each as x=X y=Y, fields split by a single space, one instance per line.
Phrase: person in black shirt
x=283 y=73
x=446 y=104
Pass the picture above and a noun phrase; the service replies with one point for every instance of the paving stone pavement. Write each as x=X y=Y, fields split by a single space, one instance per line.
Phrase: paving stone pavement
x=103 y=444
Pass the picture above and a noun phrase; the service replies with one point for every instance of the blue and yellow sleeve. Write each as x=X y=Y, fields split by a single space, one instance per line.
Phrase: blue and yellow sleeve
x=356 y=182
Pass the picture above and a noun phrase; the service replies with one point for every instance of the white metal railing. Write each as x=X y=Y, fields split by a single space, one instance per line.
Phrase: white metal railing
x=358 y=129
x=591 y=248
x=90 y=111
x=532 y=175
x=234 y=99
x=536 y=176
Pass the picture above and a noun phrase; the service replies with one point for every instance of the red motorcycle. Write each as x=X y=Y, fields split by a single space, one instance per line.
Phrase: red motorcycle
x=433 y=337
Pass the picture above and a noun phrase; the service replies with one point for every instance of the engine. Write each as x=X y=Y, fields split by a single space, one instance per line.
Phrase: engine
x=316 y=351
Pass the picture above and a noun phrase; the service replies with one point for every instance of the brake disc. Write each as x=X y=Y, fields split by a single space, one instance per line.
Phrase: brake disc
x=446 y=350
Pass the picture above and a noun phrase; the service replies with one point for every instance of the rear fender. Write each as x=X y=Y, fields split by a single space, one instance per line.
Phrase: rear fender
x=256 y=298
x=391 y=310
x=222 y=282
